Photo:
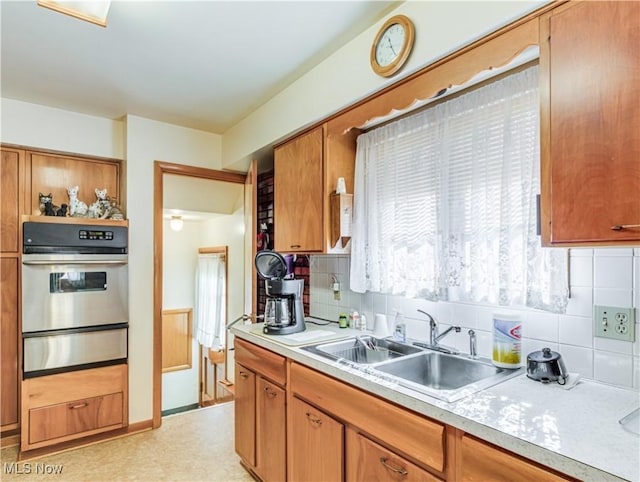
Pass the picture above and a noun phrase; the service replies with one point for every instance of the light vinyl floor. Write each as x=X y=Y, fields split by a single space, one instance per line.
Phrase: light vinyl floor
x=191 y=446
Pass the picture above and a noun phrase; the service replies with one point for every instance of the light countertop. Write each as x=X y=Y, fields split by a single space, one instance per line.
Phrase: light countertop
x=574 y=431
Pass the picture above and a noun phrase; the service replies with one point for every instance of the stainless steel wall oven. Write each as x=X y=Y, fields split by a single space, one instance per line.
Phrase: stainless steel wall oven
x=75 y=297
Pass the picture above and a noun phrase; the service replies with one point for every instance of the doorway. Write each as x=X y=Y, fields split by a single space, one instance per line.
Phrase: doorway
x=205 y=235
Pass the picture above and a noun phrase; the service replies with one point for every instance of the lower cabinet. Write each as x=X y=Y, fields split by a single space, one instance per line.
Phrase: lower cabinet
x=260 y=411
x=245 y=414
x=479 y=461
x=270 y=427
x=66 y=406
x=367 y=460
x=298 y=424
x=316 y=445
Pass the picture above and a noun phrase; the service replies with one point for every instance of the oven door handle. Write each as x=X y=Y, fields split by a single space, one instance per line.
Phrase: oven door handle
x=78 y=261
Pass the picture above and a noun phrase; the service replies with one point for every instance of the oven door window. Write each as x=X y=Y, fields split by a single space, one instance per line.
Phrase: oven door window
x=77 y=281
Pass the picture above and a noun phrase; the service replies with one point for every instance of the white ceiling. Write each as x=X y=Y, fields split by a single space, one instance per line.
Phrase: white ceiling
x=199 y=64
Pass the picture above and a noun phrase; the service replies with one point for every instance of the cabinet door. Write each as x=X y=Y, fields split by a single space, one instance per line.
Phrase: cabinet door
x=9 y=342
x=298 y=194
x=317 y=445
x=10 y=202
x=481 y=461
x=271 y=429
x=245 y=414
x=366 y=460
x=590 y=123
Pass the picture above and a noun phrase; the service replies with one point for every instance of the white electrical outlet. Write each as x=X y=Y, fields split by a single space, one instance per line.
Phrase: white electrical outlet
x=614 y=322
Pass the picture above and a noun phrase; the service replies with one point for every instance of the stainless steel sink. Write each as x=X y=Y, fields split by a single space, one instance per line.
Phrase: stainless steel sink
x=440 y=375
x=444 y=376
x=353 y=351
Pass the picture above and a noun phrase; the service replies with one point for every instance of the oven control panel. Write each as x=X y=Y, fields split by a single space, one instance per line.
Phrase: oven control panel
x=93 y=234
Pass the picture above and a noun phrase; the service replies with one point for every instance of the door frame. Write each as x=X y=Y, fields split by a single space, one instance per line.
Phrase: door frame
x=160 y=168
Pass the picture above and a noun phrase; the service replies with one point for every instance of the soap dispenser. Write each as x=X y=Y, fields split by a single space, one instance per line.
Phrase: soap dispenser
x=399 y=328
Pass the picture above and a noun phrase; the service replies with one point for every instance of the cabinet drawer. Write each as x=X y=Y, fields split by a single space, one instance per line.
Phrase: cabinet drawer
x=70 y=418
x=261 y=361
x=412 y=434
x=366 y=460
x=482 y=461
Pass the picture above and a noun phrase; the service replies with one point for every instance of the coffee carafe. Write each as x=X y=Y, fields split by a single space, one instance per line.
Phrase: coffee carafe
x=284 y=313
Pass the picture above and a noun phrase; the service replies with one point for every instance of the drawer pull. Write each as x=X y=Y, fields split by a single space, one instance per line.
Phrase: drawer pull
x=270 y=393
x=295 y=246
x=397 y=470
x=79 y=405
x=620 y=227
x=244 y=375
x=313 y=419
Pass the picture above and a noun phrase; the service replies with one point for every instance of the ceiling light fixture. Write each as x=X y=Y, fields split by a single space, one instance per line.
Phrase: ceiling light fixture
x=176 y=223
x=94 y=11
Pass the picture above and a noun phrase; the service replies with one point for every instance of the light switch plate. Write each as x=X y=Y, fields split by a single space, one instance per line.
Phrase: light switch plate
x=614 y=322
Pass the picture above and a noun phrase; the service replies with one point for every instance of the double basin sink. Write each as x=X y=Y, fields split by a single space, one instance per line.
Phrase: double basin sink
x=441 y=375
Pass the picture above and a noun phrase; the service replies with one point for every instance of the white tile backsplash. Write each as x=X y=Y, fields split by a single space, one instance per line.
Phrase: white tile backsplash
x=609 y=276
x=613 y=272
x=613 y=368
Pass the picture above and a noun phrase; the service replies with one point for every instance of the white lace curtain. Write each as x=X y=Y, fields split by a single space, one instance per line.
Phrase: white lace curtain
x=445 y=203
x=210 y=306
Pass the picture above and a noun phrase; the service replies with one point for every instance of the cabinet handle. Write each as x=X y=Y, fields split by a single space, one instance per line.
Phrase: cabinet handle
x=397 y=470
x=244 y=375
x=295 y=246
x=620 y=227
x=270 y=393
x=79 y=405
x=313 y=419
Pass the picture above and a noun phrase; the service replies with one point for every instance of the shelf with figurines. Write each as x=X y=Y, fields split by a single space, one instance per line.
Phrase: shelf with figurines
x=103 y=211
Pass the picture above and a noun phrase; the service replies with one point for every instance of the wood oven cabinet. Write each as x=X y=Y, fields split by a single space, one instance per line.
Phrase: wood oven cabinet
x=306 y=169
x=12 y=206
x=260 y=410
x=590 y=123
x=67 y=406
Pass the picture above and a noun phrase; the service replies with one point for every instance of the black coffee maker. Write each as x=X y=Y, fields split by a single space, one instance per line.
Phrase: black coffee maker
x=284 y=313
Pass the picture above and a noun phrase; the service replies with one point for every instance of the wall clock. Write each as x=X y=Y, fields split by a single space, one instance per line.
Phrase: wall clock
x=392 y=45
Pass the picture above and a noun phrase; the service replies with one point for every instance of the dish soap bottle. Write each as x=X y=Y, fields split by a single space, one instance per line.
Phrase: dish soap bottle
x=399 y=328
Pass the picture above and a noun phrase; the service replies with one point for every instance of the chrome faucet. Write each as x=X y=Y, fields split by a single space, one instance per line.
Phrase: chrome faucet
x=435 y=336
x=473 y=348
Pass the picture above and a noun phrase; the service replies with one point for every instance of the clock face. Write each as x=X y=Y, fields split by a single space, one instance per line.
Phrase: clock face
x=390 y=44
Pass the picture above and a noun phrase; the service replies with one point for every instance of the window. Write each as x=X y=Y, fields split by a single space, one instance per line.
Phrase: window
x=445 y=203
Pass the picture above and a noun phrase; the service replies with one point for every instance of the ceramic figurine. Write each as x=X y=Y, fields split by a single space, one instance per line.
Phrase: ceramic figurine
x=76 y=207
x=103 y=208
x=62 y=212
x=47 y=208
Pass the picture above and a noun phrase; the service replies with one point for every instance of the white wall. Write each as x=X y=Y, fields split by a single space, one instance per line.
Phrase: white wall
x=146 y=142
x=35 y=125
x=608 y=276
x=180 y=253
x=346 y=76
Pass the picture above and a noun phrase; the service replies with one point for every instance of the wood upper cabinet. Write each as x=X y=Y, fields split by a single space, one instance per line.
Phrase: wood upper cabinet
x=11 y=198
x=316 y=446
x=590 y=123
x=298 y=194
x=306 y=170
x=54 y=173
x=480 y=461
